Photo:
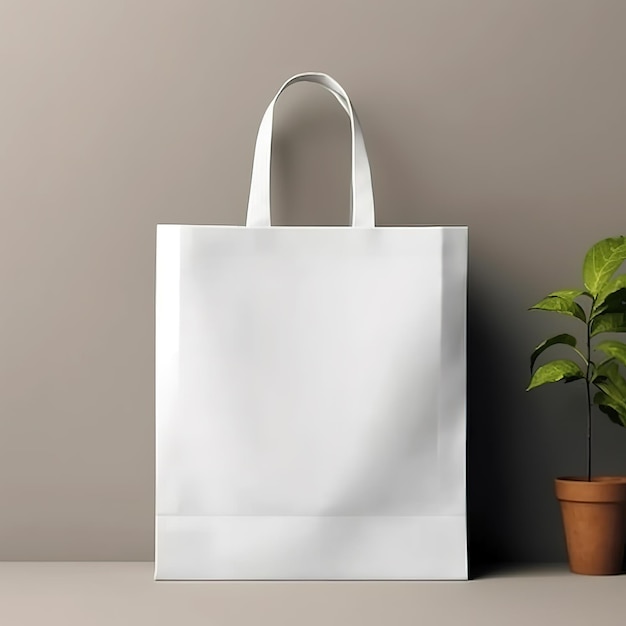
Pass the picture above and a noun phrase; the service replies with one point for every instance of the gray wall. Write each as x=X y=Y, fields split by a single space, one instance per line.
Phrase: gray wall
x=117 y=115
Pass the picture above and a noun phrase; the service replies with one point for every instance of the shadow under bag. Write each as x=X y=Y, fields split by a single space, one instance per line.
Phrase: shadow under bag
x=311 y=392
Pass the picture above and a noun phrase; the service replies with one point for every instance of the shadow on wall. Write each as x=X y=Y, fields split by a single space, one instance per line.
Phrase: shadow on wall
x=517 y=442
x=490 y=507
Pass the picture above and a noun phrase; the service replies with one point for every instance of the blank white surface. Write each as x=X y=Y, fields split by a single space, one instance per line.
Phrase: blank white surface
x=124 y=593
x=299 y=375
x=311 y=548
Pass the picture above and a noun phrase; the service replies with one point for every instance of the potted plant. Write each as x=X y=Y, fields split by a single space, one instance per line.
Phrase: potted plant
x=593 y=508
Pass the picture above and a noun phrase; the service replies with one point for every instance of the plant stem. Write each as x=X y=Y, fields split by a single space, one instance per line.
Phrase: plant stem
x=588 y=383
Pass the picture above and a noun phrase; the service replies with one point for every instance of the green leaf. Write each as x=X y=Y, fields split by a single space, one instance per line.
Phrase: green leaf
x=569 y=294
x=608 y=323
x=566 y=339
x=615 y=412
x=615 y=416
x=609 y=380
x=614 y=291
x=614 y=303
x=601 y=262
x=613 y=387
x=614 y=375
x=615 y=349
x=603 y=370
x=561 y=305
x=554 y=371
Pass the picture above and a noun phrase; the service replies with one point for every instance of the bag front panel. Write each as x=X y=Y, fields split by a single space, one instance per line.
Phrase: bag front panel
x=308 y=373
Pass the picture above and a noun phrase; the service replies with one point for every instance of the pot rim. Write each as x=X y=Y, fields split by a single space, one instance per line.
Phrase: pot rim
x=601 y=489
x=594 y=479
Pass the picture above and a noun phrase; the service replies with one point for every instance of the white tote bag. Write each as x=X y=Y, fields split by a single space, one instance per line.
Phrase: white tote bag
x=310 y=392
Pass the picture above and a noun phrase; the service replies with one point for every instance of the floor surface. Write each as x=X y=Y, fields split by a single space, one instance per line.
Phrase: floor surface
x=95 y=594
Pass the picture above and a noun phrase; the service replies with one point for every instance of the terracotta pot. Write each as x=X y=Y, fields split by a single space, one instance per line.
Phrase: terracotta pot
x=622 y=479
x=594 y=519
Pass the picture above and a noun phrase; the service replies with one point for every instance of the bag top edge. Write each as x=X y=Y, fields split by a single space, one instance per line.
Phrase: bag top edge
x=380 y=226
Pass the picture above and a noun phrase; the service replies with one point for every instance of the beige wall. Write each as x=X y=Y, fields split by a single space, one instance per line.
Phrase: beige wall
x=505 y=115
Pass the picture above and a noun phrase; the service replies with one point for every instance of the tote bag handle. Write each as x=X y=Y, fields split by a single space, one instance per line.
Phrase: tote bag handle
x=361 y=194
